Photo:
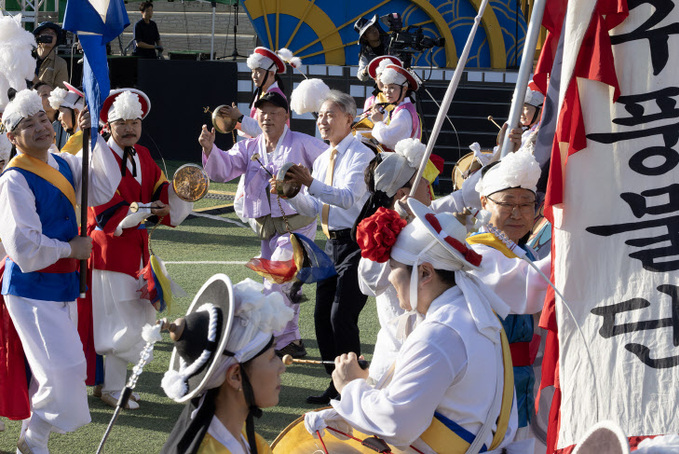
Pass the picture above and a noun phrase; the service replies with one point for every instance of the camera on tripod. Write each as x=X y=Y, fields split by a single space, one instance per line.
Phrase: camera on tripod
x=406 y=42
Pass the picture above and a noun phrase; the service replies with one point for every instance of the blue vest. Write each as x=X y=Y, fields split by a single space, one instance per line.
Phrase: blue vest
x=58 y=220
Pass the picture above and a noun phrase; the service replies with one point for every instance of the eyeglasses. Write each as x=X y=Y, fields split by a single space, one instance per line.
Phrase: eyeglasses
x=524 y=208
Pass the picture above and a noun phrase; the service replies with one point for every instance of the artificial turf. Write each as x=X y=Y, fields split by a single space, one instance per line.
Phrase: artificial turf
x=199 y=240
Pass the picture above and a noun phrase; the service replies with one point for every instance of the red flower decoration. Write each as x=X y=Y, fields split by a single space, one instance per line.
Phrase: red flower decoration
x=377 y=234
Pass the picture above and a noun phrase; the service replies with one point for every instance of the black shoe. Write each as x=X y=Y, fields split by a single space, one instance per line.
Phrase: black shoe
x=324 y=399
x=295 y=350
x=295 y=293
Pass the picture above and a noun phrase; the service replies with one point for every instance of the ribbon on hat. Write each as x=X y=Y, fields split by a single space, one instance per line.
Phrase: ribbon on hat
x=469 y=255
x=128 y=153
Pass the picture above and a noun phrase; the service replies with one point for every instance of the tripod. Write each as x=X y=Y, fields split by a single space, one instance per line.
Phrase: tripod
x=235 y=53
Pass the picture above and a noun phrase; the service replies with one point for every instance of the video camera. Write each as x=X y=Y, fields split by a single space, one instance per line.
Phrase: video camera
x=45 y=39
x=404 y=43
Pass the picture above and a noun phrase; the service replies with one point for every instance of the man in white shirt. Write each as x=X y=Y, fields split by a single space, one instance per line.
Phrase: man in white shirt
x=336 y=191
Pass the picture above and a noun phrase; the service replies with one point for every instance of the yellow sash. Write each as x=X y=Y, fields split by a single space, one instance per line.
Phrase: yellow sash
x=210 y=445
x=442 y=439
x=491 y=240
x=46 y=172
x=74 y=144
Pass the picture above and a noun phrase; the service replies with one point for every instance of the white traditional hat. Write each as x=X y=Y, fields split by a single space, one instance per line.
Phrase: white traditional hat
x=516 y=170
x=125 y=104
x=225 y=324
x=662 y=444
x=395 y=74
x=71 y=98
x=378 y=64
x=266 y=59
x=397 y=168
x=605 y=437
x=26 y=103
x=533 y=96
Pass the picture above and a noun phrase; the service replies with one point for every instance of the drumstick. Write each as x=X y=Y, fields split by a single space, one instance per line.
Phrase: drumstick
x=490 y=118
x=288 y=360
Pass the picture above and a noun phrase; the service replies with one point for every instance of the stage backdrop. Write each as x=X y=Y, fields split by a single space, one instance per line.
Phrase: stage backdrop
x=322 y=31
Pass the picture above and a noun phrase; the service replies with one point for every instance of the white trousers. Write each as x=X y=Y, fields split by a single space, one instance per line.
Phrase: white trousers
x=118 y=314
x=49 y=337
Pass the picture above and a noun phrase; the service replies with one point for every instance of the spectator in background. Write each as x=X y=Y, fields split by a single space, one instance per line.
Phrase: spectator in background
x=44 y=90
x=49 y=68
x=373 y=41
x=146 y=36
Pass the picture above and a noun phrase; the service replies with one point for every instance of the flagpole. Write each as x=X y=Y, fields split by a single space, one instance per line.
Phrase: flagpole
x=525 y=71
x=448 y=97
x=83 y=205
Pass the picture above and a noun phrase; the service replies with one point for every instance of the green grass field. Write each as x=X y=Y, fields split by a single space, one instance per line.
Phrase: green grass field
x=199 y=240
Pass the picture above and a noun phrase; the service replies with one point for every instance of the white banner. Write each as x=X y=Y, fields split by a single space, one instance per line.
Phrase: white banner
x=617 y=237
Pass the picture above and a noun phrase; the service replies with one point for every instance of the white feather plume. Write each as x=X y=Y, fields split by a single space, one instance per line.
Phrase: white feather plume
x=285 y=54
x=659 y=445
x=266 y=312
x=26 y=103
x=516 y=170
x=391 y=76
x=382 y=66
x=126 y=107
x=174 y=385
x=412 y=150
x=308 y=96
x=4 y=86
x=57 y=97
x=151 y=333
x=16 y=45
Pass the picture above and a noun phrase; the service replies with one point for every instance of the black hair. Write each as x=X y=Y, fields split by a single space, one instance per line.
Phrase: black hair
x=144 y=5
x=40 y=84
x=258 y=90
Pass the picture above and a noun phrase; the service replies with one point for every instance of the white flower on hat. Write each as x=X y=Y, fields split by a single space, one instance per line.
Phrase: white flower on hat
x=126 y=107
x=516 y=170
x=391 y=76
x=26 y=103
x=257 y=60
x=308 y=96
x=412 y=150
x=382 y=66
x=267 y=313
x=57 y=97
x=288 y=57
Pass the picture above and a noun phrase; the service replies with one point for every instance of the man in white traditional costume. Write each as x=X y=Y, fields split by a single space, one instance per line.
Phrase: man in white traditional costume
x=39 y=191
x=508 y=191
x=335 y=190
x=120 y=306
x=258 y=159
x=449 y=389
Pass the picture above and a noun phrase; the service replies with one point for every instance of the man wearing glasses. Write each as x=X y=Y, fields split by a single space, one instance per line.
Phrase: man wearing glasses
x=507 y=190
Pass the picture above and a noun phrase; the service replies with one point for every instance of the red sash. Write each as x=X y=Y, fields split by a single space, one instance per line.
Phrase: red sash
x=14 y=402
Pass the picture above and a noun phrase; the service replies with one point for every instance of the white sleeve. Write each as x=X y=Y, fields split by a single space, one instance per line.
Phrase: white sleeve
x=250 y=126
x=305 y=204
x=373 y=277
x=403 y=410
x=104 y=173
x=513 y=280
x=21 y=229
x=179 y=209
x=400 y=127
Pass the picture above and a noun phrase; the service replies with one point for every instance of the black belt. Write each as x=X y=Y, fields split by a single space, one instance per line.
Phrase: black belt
x=339 y=234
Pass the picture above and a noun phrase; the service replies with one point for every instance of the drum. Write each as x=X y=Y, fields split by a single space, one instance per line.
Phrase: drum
x=466 y=166
x=296 y=440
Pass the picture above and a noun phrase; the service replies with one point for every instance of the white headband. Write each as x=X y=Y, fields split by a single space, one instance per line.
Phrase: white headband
x=516 y=170
x=26 y=103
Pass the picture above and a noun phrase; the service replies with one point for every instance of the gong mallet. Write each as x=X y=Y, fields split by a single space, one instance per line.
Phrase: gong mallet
x=492 y=120
x=288 y=360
